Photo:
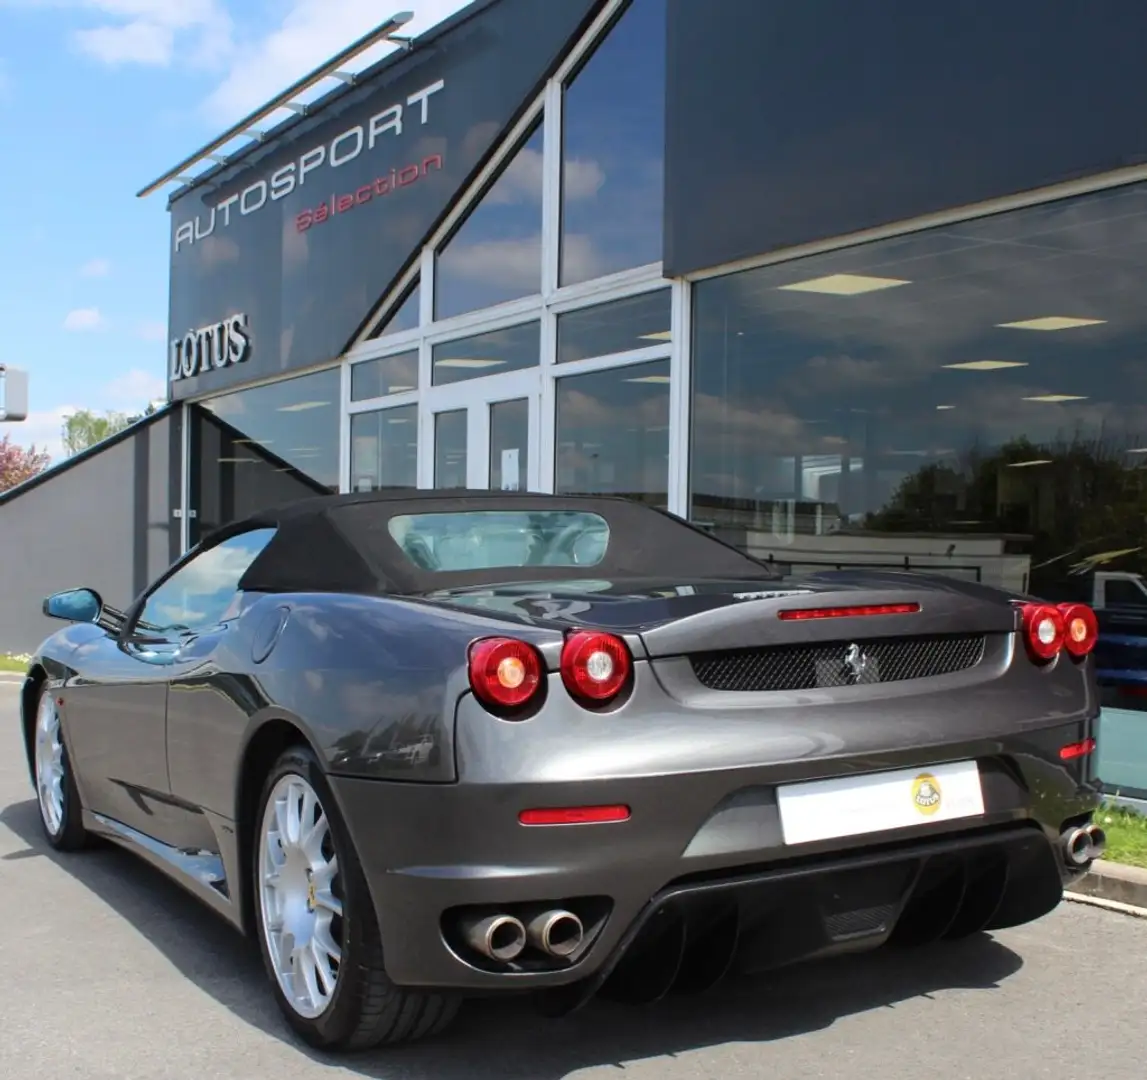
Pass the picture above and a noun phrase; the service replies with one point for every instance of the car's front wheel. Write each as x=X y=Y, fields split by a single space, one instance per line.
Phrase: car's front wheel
x=317 y=928
x=61 y=814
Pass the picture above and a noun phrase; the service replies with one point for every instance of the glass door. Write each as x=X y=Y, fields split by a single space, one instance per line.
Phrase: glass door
x=484 y=434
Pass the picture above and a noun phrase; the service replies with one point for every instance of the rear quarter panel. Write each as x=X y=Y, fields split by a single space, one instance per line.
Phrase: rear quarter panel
x=373 y=683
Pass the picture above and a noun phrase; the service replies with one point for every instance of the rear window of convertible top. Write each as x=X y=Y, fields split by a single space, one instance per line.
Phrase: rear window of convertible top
x=494 y=539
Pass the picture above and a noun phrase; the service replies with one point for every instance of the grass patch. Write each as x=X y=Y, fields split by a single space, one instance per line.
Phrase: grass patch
x=18 y=664
x=1126 y=835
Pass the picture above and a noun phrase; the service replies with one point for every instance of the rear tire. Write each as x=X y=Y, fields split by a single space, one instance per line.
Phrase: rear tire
x=317 y=928
x=57 y=798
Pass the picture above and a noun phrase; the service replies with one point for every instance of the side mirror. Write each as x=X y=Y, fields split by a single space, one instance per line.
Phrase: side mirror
x=75 y=605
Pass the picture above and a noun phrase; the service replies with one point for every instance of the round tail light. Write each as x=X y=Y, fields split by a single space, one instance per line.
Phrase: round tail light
x=1081 y=628
x=504 y=672
x=1043 y=630
x=595 y=666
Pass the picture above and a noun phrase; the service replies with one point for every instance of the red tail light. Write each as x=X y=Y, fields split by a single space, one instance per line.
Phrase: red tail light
x=1081 y=628
x=504 y=672
x=1049 y=629
x=1043 y=630
x=595 y=666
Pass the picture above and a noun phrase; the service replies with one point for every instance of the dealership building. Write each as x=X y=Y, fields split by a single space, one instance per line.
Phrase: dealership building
x=849 y=283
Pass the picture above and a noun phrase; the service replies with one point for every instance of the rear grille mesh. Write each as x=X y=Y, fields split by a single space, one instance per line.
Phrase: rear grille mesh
x=838 y=663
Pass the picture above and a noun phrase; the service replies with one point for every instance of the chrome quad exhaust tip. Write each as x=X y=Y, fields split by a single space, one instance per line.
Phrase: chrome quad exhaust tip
x=496 y=937
x=556 y=933
x=1083 y=845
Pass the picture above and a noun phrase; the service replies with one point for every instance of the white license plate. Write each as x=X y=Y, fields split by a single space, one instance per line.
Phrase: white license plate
x=877 y=802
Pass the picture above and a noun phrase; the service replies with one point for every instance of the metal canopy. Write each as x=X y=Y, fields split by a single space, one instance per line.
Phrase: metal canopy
x=383 y=32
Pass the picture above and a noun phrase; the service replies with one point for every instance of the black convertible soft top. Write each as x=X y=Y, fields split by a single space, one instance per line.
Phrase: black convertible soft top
x=342 y=543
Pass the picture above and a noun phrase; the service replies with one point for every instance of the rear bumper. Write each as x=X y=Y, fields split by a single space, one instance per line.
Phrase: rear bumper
x=694 y=931
x=702 y=854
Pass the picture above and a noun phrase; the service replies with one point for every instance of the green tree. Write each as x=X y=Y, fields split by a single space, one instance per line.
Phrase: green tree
x=18 y=463
x=150 y=410
x=84 y=428
x=1082 y=500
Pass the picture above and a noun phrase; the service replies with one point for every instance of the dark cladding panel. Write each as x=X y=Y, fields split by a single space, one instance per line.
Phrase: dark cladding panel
x=791 y=123
x=339 y=205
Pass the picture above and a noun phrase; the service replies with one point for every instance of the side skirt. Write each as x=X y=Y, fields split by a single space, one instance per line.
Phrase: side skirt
x=201 y=873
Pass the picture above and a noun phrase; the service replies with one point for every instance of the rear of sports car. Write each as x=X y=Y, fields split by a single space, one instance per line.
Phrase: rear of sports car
x=744 y=781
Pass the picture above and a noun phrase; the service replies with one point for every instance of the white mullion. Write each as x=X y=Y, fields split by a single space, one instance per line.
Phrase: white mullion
x=514 y=313
x=425 y=436
x=390 y=401
x=390 y=345
x=551 y=188
x=186 y=508
x=641 y=279
x=426 y=288
x=478 y=445
x=616 y=360
x=680 y=398
x=425 y=439
x=547 y=432
x=344 y=427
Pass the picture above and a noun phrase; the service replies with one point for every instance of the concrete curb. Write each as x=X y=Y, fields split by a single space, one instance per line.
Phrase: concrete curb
x=1106 y=905
x=1113 y=882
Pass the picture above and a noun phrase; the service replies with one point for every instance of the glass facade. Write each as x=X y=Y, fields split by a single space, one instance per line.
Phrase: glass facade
x=613 y=152
x=612 y=433
x=509 y=445
x=256 y=448
x=387 y=375
x=405 y=316
x=620 y=326
x=968 y=399
x=496 y=254
x=384 y=449
x=492 y=353
x=451 y=452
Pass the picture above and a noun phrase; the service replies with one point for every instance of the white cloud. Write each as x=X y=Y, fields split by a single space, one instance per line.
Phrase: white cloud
x=522 y=180
x=132 y=391
x=310 y=32
x=156 y=32
x=152 y=330
x=256 y=63
x=135 y=43
x=96 y=268
x=149 y=32
x=82 y=319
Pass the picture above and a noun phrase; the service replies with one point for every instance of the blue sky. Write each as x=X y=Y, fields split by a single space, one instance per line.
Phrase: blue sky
x=98 y=97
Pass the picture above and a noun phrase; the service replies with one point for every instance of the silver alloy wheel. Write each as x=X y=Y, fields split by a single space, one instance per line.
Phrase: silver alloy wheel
x=49 y=765
x=302 y=913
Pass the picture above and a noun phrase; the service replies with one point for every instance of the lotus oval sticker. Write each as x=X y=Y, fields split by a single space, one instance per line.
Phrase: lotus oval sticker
x=926 y=794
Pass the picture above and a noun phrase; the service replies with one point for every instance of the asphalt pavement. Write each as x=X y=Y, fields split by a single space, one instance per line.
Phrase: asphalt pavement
x=113 y=972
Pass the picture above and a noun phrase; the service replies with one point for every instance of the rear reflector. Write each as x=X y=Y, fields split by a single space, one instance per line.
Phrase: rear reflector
x=575 y=815
x=1077 y=750
x=794 y=614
